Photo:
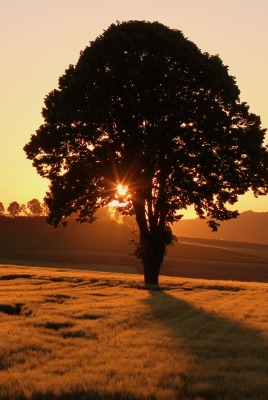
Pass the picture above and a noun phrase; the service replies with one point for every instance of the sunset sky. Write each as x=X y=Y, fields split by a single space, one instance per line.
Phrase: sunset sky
x=40 y=38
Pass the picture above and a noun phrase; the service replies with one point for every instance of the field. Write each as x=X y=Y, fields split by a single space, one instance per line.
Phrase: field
x=77 y=334
x=218 y=259
x=104 y=246
x=84 y=327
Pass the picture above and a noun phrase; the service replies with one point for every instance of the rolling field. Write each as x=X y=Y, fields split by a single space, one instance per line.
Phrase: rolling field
x=77 y=334
x=216 y=259
x=84 y=327
x=103 y=246
x=189 y=258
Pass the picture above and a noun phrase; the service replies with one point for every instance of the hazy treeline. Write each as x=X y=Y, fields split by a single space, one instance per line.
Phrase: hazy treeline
x=32 y=208
x=249 y=227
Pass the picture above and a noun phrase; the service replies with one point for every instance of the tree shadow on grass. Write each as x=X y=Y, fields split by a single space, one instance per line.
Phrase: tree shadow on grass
x=227 y=360
x=81 y=395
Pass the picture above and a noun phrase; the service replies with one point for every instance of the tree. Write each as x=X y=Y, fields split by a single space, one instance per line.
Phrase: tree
x=145 y=108
x=14 y=209
x=35 y=207
x=23 y=210
x=2 y=208
x=45 y=210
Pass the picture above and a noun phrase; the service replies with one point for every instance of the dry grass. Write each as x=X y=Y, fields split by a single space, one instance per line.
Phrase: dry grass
x=69 y=334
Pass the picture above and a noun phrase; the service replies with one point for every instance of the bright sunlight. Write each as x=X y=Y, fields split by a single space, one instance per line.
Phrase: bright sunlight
x=122 y=190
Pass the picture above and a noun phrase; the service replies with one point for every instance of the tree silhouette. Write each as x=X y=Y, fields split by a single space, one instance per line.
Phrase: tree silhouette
x=35 y=207
x=2 y=208
x=145 y=108
x=24 y=211
x=14 y=209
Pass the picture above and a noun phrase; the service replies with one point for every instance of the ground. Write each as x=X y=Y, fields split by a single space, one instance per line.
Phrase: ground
x=76 y=334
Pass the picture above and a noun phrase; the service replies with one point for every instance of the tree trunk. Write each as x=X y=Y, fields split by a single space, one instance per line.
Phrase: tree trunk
x=151 y=247
x=151 y=274
x=152 y=258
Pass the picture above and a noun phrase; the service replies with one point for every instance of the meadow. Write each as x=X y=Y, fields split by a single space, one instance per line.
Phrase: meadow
x=76 y=334
x=104 y=245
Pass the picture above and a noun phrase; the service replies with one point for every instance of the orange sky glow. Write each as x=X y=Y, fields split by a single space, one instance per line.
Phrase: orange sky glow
x=39 y=39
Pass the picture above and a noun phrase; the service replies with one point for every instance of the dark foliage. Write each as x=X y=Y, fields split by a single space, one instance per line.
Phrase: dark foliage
x=2 y=208
x=14 y=209
x=35 y=207
x=146 y=108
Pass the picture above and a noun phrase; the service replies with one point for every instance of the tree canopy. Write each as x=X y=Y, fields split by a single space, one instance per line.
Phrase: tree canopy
x=35 y=207
x=14 y=209
x=145 y=108
x=2 y=208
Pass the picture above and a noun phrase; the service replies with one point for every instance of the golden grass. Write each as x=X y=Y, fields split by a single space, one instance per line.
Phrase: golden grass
x=69 y=334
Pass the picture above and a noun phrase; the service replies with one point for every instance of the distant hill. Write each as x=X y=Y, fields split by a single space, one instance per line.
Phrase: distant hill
x=249 y=227
x=105 y=243
x=31 y=238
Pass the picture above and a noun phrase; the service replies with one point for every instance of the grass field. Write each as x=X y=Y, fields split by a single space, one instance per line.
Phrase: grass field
x=104 y=246
x=216 y=259
x=76 y=334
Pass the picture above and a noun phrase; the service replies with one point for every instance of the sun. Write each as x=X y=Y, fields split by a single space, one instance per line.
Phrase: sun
x=122 y=190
